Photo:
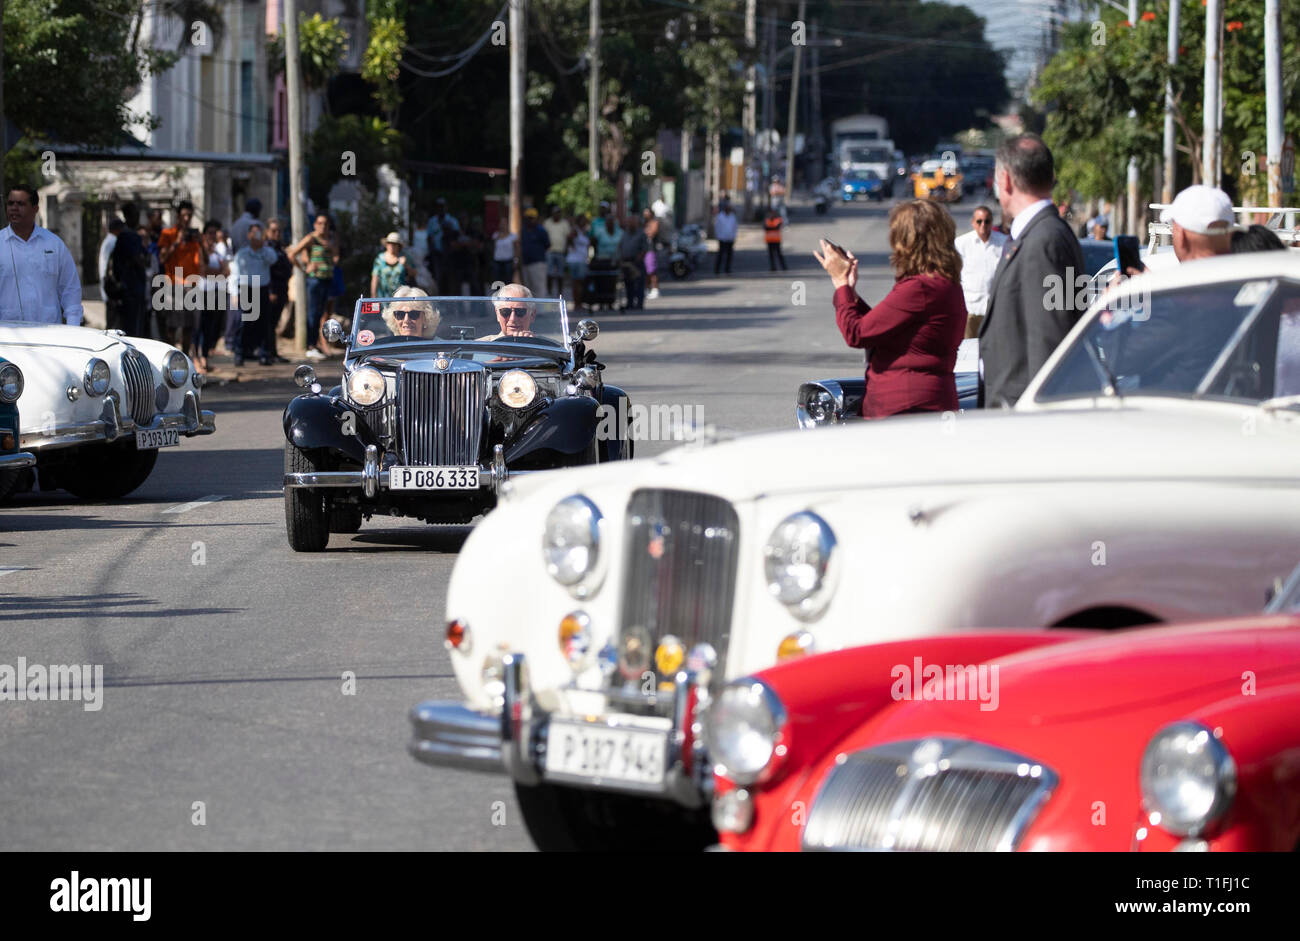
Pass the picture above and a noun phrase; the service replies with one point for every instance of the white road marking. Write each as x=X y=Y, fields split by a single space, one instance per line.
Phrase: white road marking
x=4 y=572
x=195 y=504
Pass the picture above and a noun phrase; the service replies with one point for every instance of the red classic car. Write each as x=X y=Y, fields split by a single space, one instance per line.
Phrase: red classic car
x=1170 y=738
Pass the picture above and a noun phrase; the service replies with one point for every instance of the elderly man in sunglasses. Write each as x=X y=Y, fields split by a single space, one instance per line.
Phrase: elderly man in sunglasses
x=515 y=316
x=411 y=318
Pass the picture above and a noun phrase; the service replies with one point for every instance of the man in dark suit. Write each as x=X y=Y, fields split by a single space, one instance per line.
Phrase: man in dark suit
x=1031 y=303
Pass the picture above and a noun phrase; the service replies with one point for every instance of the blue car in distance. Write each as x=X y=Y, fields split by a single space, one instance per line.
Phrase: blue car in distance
x=866 y=183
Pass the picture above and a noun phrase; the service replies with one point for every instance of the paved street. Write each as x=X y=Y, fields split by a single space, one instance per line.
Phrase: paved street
x=224 y=652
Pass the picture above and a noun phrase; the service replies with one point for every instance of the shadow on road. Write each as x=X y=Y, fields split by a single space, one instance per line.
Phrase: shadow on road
x=117 y=605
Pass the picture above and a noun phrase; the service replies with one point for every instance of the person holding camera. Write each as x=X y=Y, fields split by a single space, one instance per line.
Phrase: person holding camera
x=913 y=334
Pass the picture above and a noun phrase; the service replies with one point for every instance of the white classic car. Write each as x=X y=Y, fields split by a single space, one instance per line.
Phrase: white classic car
x=98 y=405
x=1150 y=473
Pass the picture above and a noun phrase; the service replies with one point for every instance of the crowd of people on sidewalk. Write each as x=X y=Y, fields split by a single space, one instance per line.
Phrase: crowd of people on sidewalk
x=563 y=254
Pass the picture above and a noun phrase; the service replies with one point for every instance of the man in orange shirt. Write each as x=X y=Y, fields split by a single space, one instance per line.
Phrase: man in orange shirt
x=181 y=256
x=772 y=235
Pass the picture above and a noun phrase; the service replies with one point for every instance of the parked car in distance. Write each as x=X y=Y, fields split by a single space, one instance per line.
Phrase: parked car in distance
x=1176 y=738
x=12 y=458
x=99 y=405
x=432 y=422
x=1148 y=489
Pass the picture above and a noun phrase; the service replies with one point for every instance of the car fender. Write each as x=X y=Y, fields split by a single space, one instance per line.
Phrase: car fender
x=622 y=447
x=564 y=426
x=315 y=421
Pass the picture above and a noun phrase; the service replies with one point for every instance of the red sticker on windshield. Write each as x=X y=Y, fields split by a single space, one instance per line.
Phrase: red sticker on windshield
x=370 y=307
x=365 y=337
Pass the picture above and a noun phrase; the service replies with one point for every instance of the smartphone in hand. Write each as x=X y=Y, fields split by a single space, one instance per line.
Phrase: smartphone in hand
x=1128 y=254
x=838 y=249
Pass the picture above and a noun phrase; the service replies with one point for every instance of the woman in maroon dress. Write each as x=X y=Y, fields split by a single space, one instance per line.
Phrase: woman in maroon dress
x=911 y=336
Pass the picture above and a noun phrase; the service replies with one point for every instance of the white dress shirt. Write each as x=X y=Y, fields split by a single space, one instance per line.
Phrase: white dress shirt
x=105 y=252
x=38 y=279
x=979 y=259
x=725 y=226
x=1022 y=220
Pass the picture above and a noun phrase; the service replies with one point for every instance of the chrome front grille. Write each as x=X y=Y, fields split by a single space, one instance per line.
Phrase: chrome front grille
x=680 y=571
x=930 y=795
x=440 y=413
x=137 y=375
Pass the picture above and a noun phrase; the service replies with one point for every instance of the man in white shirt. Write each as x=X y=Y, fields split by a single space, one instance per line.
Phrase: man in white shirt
x=725 y=226
x=239 y=229
x=980 y=251
x=105 y=252
x=38 y=278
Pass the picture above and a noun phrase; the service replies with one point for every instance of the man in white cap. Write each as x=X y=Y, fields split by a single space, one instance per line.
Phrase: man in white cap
x=1202 y=223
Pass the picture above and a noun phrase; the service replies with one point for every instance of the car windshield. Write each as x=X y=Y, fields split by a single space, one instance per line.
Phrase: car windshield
x=388 y=323
x=1237 y=340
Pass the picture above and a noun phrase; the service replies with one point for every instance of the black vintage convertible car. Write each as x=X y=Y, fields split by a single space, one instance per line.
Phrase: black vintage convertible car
x=835 y=401
x=442 y=401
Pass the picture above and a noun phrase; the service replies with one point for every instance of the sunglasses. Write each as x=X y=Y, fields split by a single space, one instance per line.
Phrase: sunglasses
x=508 y=312
x=983 y=221
x=403 y=314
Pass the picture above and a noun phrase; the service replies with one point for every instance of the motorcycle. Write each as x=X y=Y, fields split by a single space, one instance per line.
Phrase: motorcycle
x=688 y=251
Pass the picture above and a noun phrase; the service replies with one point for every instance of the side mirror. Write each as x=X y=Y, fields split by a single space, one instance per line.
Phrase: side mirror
x=584 y=331
x=332 y=331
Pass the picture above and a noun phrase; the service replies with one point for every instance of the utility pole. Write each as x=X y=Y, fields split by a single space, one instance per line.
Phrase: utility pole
x=4 y=125
x=1132 y=214
x=593 y=94
x=751 y=100
x=1273 y=97
x=769 y=112
x=518 y=38
x=794 y=103
x=1170 y=153
x=1210 y=106
x=297 y=215
x=817 y=154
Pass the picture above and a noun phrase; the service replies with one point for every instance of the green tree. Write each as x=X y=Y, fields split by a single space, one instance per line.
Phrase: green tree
x=580 y=194
x=1101 y=73
x=322 y=44
x=381 y=64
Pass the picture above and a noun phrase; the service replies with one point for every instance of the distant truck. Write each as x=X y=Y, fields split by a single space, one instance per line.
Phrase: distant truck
x=857 y=130
x=861 y=162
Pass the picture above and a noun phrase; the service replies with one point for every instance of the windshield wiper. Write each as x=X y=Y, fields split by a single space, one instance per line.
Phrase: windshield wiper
x=1098 y=357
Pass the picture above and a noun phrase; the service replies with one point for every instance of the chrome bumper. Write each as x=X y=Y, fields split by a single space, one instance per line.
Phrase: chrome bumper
x=17 y=460
x=514 y=741
x=111 y=426
x=374 y=477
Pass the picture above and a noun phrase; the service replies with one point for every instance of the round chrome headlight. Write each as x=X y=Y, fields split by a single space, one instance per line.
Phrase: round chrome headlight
x=571 y=542
x=516 y=388
x=1188 y=777
x=798 y=561
x=366 y=386
x=745 y=731
x=11 y=383
x=96 y=378
x=821 y=407
x=176 y=369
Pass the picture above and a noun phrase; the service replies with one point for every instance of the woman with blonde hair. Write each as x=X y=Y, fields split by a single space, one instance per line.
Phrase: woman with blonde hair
x=912 y=335
x=411 y=318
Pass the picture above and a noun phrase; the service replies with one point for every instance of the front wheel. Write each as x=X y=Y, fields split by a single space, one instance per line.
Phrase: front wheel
x=679 y=269
x=567 y=819
x=305 y=518
x=108 y=471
